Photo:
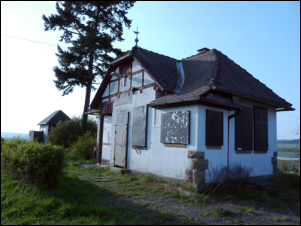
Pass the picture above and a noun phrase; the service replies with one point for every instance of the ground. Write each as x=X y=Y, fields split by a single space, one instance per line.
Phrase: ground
x=97 y=195
x=148 y=197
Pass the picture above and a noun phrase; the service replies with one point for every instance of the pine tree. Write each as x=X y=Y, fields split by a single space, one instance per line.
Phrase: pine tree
x=90 y=27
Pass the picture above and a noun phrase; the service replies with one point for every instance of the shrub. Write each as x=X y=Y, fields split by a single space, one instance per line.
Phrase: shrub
x=32 y=162
x=233 y=175
x=68 y=132
x=284 y=166
x=84 y=146
x=2 y=141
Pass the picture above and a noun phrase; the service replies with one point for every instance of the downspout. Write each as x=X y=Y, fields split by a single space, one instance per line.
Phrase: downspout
x=238 y=112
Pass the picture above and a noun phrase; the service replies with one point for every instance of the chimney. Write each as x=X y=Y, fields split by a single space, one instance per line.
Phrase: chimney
x=203 y=50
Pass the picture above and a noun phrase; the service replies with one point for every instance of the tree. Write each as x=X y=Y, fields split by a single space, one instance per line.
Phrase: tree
x=68 y=132
x=96 y=25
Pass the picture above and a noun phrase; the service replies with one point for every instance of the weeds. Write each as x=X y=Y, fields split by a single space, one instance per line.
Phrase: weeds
x=284 y=166
x=164 y=216
x=248 y=209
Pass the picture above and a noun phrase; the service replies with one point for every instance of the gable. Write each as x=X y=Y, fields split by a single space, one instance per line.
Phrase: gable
x=136 y=79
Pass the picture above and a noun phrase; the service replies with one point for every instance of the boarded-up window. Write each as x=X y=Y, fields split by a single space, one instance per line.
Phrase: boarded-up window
x=139 y=127
x=260 y=129
x=214 y=128
x=244 y=130
x=175 y=127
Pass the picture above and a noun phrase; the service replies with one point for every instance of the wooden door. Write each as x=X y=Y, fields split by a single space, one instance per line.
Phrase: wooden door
x=120 y=145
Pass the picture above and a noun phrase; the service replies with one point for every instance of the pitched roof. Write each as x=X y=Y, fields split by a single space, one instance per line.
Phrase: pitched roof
x=202 y=71
x=162 y=69
x=54 y=118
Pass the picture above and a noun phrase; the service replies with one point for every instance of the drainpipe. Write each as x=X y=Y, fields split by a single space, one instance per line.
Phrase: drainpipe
x=238 y=112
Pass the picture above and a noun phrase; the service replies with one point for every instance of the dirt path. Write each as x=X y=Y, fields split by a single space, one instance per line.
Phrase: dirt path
x=178 y=209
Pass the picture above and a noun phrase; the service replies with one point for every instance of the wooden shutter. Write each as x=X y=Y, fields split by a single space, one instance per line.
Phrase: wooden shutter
x=214 y=128
x=260 y=129
x=244 y=130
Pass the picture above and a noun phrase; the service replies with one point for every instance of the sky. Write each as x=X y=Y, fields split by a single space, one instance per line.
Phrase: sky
x=261 y=37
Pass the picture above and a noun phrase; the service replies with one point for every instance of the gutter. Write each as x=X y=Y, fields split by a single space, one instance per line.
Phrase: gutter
x=198 y=99
x=262 y=101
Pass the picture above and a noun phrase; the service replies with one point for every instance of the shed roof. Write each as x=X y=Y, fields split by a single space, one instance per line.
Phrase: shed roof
x=54 y=118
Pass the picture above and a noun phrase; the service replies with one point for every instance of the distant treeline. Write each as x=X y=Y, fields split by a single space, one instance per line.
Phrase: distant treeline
x=294 y=141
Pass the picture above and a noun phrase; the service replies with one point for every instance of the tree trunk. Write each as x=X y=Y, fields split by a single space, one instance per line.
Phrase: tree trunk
x=88 y=93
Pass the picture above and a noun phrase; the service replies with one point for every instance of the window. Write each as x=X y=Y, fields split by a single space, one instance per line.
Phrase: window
x=214 y=128
x=251 y=129
x=260 y=129
x=244 y=130
x=175 y=127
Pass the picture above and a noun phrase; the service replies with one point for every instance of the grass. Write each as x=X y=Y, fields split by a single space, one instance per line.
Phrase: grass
x=96 y=196
x=248 y=209
x=76 y=201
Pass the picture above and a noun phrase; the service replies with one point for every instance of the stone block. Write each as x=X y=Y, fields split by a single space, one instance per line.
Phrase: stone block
x=275 y=169
x=196 y=155
x=188 y=175
x=199 y=164
x=195 y=176
x=274 y=160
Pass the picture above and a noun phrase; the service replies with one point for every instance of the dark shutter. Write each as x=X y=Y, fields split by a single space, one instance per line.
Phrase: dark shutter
x=261 y=129
x=244 y=130
x=214 y=128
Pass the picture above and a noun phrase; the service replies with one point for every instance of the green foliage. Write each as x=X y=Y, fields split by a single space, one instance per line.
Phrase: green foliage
x=68 y=132
x=2 y=141
x=84 y=146
x=164 y=216
x=90 y=28
x=32 y=162
x=284 y=166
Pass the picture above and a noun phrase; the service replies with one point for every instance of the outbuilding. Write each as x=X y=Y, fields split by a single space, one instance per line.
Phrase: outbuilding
x=177 y=119
x=50 y=122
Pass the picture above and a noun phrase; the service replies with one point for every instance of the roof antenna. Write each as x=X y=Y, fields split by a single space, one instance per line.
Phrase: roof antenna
x=136 y=40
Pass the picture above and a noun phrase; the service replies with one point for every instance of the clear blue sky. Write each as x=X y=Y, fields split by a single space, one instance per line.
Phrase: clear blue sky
x=262 y=37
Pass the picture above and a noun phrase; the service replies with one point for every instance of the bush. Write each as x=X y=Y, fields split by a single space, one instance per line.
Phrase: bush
x=284 y=166
x=68 y=132
x=84 y=146
x=233 y=175
x=32 y=162
x=2 y=141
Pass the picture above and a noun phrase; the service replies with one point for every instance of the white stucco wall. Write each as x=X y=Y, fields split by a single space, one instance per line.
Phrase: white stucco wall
x=172 y=161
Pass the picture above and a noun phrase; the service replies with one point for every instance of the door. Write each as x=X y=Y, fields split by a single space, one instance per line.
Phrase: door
x=120 y=145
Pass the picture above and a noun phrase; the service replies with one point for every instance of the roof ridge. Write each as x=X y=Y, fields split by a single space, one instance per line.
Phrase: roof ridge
x=215 y=71
x=158 y=54
x=252 y=75
x=198 y=54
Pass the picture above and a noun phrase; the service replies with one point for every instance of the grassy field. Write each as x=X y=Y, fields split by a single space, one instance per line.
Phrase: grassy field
x=287 y=150
x=100 y=196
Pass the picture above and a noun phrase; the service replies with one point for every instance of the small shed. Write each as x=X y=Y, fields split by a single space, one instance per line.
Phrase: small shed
x=50 y=122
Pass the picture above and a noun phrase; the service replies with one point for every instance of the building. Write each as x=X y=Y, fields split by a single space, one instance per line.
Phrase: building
x=50 y=122
x=178 y=119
